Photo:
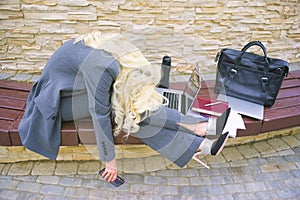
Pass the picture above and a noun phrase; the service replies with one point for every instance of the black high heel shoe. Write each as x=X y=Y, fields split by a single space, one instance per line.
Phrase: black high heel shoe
x=211 y=147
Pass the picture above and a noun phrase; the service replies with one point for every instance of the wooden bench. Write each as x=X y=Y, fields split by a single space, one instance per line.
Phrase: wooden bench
x=285 y=113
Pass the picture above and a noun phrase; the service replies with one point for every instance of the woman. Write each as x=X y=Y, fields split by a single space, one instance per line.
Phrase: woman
x=110 y=80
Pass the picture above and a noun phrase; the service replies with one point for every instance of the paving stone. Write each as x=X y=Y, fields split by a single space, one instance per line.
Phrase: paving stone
x=275 y=184
x=8 y=194
x=292 y=183
x=154 y=163
x=133 y=178
x=177 y=181
x=215 y=160
x=220 y=180
x=201 y=180
x=155 y=180
x=293 y=158
x=29 y=187
x=239 y=163
x=1 y=167
x=264 y=148
x=22 y=168
x=295 y=173
x=43 y=168
x=214 y=189
x=66 y=168
x=291 y=140
x=89 y=167
x=166 y=189
x=90 y=183
x=8 y=184
x=74 y=182
x=248 y=151
x=25 y=178
x=233 y=188
x=167 y=173
x=52 y=189
x=286 y=152
x=27 y=195
x=57 y=197
x=141 y=188
x=232 y=154
x=48 y=179
x=134 y=165
x=262 y=177
x=243 y=178
x=76 y=192
x=282 y=175
x=257 y=161
x=188 y=173
x=239 y=196
x=101 y=194
x=223 y=197
x=209 y=172
x=150 y=196
x=286 y=193
x=126 y=195
x=254 y=187
x=266 y=195
x=278 y=144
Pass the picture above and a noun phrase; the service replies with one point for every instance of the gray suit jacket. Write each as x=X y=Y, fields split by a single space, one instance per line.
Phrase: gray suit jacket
x=73 y=69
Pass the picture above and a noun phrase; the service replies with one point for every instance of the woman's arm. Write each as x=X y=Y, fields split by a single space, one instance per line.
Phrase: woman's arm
x=99 y=75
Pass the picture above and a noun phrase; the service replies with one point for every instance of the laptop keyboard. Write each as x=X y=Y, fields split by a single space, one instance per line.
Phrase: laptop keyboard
x=173 y=100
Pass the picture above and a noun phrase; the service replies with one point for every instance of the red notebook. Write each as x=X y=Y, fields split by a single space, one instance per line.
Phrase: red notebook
x=209 y=106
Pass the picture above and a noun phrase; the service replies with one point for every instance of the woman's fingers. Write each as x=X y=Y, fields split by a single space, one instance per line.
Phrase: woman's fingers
x=109 y=175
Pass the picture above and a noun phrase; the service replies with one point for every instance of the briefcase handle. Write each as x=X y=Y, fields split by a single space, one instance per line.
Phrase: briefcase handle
x=255 y=43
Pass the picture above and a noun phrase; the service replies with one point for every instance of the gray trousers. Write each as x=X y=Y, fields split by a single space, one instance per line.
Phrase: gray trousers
x=160 y=131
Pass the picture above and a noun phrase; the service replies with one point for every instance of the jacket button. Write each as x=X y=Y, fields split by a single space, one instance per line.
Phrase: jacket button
x=53 y=117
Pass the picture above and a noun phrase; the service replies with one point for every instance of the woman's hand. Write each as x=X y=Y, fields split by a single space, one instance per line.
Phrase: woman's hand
x=111 y=171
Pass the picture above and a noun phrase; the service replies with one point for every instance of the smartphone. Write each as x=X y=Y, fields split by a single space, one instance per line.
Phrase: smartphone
x=118 y=182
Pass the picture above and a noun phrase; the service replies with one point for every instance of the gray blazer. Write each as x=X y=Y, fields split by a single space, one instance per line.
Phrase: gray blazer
x=76 y=69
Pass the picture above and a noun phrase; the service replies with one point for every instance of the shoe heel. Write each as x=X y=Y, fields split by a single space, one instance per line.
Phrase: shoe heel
x=199 y=161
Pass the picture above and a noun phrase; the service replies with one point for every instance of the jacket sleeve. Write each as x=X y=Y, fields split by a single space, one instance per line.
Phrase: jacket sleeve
x=99 y=81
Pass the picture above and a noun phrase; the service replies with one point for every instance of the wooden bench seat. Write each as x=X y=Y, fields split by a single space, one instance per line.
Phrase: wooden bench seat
x=285 y=113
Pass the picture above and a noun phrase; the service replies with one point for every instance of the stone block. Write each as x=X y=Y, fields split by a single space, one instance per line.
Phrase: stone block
x=154 y=163
x=22 y=168
x=66 y=168
x=89 y=167
x=43 y=168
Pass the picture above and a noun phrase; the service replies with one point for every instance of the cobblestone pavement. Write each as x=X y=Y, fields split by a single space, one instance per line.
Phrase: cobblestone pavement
x=267 y=169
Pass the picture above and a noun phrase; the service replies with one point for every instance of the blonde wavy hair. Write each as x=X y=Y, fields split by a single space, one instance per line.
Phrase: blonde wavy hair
x=134 y=96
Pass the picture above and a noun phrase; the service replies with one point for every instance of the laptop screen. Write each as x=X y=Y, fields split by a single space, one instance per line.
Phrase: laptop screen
x=192 y=88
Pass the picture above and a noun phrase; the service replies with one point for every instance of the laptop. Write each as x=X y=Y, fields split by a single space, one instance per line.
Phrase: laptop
x=182 y=100
x=244 y=107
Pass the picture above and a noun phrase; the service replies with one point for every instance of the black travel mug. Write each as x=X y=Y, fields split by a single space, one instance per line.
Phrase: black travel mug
x=165 y=67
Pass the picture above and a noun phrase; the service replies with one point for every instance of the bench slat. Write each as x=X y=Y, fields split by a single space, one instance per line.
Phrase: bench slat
x=69 y=136
x=13 y=94
x=14 y=133
x=14 y=85
x=281 y=118
x=15 y=104
x=4 y=135
x=9 y=114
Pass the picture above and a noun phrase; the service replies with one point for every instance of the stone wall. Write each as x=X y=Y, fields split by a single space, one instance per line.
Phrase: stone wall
x=188 y=30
